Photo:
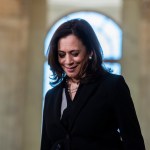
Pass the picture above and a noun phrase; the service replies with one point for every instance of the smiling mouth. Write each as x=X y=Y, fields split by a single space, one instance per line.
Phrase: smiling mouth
x=70 y=69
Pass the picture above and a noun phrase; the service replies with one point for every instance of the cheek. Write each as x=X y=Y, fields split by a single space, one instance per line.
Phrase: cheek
x=60 y=60
x=80 y=59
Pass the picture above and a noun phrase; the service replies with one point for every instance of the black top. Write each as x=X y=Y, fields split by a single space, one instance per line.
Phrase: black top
x=91 y=121
x=67 y=111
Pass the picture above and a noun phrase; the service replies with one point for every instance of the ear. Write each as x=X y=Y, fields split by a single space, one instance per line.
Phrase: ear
x=91 y=54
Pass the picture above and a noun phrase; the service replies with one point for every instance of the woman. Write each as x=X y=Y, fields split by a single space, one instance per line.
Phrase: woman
x=89 y=108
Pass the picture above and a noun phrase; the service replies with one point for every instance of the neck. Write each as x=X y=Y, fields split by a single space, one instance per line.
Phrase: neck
x=73 y=80
x=72 y=86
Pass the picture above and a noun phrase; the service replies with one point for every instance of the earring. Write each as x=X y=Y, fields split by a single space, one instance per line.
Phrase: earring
x=90 y=57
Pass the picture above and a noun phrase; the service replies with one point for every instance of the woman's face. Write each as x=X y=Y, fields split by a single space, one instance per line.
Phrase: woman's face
x=71 y=55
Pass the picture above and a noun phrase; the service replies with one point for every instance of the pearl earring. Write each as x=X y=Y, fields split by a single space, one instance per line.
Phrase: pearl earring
x=90 y=57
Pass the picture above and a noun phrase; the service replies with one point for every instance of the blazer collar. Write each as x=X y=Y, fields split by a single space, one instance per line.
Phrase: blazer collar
x=83 y=95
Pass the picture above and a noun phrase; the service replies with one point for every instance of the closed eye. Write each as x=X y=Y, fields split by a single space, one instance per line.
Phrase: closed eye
x=61 y=54
x=75 y=53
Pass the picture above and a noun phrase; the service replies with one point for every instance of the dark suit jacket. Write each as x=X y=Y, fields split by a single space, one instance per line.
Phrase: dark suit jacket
x=102 y=107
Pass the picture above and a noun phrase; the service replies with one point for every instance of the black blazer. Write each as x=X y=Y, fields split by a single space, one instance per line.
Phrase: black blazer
x=103 y=118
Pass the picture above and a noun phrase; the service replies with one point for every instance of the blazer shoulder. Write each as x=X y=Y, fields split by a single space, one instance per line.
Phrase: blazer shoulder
x=53 y=90
x=109 y=77
x=51 y=93
x=117 y=84
x=114 y=81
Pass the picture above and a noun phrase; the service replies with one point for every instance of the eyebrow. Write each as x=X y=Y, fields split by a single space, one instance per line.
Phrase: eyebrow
x=70 y=50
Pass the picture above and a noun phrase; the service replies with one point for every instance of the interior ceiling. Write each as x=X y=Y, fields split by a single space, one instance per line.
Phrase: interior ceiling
x=88 y=3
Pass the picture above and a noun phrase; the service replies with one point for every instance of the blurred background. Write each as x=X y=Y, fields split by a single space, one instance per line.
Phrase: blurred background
x=26 y=26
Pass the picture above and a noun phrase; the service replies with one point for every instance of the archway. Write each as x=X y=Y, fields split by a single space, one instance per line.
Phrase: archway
x=108 y=32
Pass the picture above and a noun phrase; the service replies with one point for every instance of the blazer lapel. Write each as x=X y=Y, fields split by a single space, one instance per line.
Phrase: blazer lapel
x=57 y=107
x=58 y=99
x=82 y=97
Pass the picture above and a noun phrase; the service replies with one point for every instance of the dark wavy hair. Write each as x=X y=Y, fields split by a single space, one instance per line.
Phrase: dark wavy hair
x=82 y=30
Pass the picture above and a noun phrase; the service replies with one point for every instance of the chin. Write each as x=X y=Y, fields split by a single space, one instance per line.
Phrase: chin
x=71 y=76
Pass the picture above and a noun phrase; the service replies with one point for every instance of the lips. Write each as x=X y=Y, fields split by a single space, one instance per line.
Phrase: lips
x=70 y=69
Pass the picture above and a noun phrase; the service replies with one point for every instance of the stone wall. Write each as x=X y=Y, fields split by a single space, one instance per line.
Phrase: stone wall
x=136 y=60
x=22 y=33
x=145 y=69
x=13 y=56
x=21 y=47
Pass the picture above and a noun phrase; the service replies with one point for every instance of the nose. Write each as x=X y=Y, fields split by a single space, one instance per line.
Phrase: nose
x=68 y=60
